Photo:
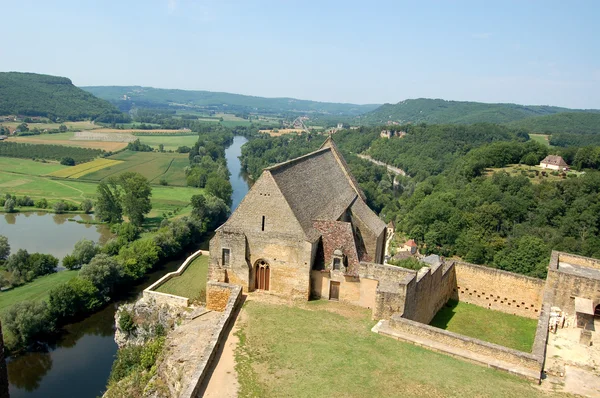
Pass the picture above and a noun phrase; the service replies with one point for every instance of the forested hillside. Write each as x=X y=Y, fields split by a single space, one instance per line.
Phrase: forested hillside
x=54 y=97
x=567 y=122
x=424 y=110
x=452 y=204
x=148 y=97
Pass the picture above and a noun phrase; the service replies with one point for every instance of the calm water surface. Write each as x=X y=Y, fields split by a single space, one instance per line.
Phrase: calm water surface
x=49 y=233
x=79 y=362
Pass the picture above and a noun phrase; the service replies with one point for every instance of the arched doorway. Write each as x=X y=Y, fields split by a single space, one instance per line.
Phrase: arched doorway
x=262 y=275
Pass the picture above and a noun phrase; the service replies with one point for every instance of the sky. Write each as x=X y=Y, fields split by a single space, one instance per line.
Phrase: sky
x=527 y=52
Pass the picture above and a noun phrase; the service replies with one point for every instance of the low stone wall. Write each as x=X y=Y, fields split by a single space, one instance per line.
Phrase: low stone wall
x=234 y=298
x=165 y=298
x=490 y=354
x=498 y=290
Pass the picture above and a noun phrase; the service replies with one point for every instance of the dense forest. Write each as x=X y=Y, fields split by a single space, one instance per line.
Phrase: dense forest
x=53 y=97
x=424 y=110
x=567 y=122
x=149 y=97
x=452 y=205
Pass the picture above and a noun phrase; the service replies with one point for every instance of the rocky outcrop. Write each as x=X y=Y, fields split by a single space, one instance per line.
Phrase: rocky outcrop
x=145 y=319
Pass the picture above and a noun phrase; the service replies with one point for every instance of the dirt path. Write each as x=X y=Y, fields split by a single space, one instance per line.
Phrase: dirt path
x=223 y=381
x=392 y=169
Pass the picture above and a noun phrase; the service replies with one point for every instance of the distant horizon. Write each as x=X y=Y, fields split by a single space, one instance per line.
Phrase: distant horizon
x=336 y=51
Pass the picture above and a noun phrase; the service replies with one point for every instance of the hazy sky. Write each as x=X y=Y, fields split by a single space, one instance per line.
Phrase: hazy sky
x=529 y=52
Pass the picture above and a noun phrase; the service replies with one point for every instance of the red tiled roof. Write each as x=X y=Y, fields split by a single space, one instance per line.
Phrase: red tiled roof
x=411 y=243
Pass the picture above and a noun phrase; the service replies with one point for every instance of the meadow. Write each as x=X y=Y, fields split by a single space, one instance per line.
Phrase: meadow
x=74 y=126
x=30 y=167
x=66 y=139
x=326 y=349
x=534 y=173
x=497 y=327
x=541 y=138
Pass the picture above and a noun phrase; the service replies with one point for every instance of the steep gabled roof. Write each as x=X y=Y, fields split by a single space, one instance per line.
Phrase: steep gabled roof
x=315 y=187
x=554 y=160
x=337 y=235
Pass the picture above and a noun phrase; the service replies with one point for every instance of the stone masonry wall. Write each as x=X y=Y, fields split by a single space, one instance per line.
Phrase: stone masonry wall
x=498 y=290
x=489 y=350
x=429 y=291
x=217 y=296
x=234 y=298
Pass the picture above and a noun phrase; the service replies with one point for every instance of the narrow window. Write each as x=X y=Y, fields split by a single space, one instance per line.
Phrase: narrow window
x=225 y=257
x=336 y=263
x=263 y=223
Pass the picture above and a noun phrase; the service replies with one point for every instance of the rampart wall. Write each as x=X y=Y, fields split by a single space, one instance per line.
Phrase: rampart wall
x=223 y=296
x=498 y=290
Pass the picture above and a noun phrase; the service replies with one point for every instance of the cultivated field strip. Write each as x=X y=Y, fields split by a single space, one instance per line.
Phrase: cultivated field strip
x=85 y=168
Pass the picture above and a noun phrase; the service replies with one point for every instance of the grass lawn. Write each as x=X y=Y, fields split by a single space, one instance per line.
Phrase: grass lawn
x=530 y=172
x=35 y=291
x=191 y=282
x=171 y=143
x=27 y=166
x=497 y=327
x=326 y=349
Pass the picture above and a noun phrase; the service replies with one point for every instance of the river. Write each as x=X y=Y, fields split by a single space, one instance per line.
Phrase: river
x=79 y=362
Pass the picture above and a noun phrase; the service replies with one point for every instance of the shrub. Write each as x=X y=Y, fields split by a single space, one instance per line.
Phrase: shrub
x=163 y=181
x=84 y=251
x=70 y=262
x=67 y=161
x=27 y=320
x=126 y=322
x=41 y=203
x=86 y=206
x=9 y=205
x=72 y=298
x=59 y=207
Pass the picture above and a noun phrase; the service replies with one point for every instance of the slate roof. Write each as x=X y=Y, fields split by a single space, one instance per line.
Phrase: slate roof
x=338 y=235
x=319 y=186
x=554 y=160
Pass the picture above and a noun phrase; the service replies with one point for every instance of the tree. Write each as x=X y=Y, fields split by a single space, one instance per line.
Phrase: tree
x=137 y=257
x=128 y=232
x=42 y=264
x=59 y=207
x=198 y=207
x=76 y=296
x=86 y=206
x=161 y=148
x=4 y=248
x=108 y=202
x=104 y=272
x=219 y=187
x=84 y=251
x=136 y=196
x=530 y=159
x=62 y=128
x=67 y=161
x=41 y=203
x=27 y=320
x=70 y=262
x=9 y=205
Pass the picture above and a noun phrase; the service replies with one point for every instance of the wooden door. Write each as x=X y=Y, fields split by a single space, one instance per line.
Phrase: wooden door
x=334 y=291
x=262 y=277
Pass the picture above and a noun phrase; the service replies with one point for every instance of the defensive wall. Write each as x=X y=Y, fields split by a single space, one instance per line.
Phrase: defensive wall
x=571 y=276
x=165 y=298
x=223 y=297
x=498 y=290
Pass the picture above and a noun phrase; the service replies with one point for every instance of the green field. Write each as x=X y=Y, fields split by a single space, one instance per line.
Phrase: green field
x=30 y=167
x=171 y=142
x=36 y=290
x=191 y=282
x=530 y=172
x=151 y=165
x=541 y=138
x=327 y=349
x=164 y=198
x=497 y=327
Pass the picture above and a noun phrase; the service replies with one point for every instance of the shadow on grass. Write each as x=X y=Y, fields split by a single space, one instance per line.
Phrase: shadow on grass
x=444 y=315
x=152 y=222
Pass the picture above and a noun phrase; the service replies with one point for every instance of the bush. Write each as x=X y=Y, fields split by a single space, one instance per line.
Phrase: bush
x=86 y=206
x=70 y=262
x=126 y=322
x=9 y=205
x=59 y=207
x=41 y=204
x=27 y=320
x=25 y=201
x=72 y=298
x=104 y=272
x=67 y=161
x=163 y=181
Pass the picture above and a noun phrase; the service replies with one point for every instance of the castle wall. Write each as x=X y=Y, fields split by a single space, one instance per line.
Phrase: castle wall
x=428 y=292
x=498 y=290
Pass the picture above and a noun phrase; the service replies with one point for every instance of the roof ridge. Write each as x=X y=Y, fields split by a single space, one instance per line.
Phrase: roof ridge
x=296 y=160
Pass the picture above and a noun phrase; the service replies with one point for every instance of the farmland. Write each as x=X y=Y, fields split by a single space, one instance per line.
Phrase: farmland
x=30 y=167
x=151 y=165
x=85 y=168
x=67 y=140
x=49 y=152
x=170 y=143
x=73 y=126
